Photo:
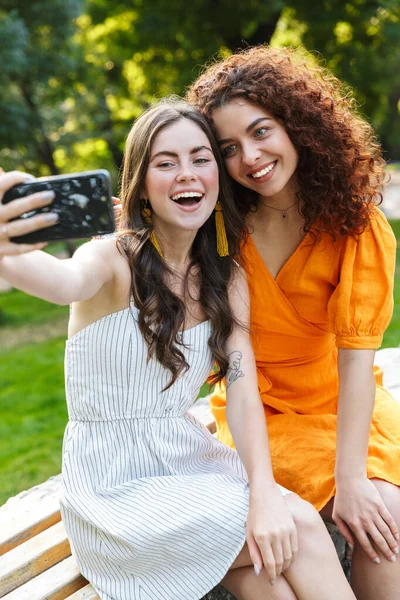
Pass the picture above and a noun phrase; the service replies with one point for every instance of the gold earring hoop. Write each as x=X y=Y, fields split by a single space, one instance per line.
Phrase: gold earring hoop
x=146 y=214
x=222 y=241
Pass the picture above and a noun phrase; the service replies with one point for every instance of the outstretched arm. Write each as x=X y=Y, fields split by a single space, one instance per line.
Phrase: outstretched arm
x=271 y=531
x=36 y=272
x=60 y=281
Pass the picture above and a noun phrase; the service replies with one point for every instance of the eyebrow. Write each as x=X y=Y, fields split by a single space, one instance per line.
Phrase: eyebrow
x=175 y=155
x=248 y=129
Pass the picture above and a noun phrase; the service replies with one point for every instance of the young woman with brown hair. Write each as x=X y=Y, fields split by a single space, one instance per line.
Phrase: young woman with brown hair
x=320 y=259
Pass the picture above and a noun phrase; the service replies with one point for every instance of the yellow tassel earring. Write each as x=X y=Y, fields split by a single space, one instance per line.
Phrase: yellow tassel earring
x=146 y=214
x=222 y=242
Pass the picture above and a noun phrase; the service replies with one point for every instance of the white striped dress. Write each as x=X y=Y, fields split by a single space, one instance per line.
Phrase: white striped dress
x=154 y=506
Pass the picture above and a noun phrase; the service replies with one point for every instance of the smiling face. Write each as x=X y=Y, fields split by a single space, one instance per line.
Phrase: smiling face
x=258 y=152
x=181 y=182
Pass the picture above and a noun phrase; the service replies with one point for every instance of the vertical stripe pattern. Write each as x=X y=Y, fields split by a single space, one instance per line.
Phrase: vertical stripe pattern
x=154 y=506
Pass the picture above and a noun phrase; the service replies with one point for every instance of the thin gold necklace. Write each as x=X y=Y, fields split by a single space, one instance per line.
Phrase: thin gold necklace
x=282 y=210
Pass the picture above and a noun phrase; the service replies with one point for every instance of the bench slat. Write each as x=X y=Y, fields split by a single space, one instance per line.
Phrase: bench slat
x=86 y=593
x=29 y=513
x=36 y=555
x=56 y=583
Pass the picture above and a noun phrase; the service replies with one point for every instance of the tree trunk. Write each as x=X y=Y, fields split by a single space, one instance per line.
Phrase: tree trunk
x=107 y=130
x=389 y=140
x=261 y=35
x=43 y=144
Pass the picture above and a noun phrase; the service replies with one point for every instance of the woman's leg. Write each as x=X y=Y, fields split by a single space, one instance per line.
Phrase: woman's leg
x=316 y=574
x=378 y=582
x=371 y=581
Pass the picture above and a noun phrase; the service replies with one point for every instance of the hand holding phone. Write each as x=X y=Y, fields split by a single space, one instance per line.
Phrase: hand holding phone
x=82 y=202
x=10 y=222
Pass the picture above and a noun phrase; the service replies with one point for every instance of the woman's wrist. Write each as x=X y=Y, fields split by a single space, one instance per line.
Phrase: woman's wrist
x=350 y=476
x=261 y=486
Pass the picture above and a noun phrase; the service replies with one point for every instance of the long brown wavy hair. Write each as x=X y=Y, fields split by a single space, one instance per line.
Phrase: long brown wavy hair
x=161 y=312
x=340 y=169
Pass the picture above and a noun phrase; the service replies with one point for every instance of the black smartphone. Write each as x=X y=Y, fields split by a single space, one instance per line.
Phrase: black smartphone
x=82 y=200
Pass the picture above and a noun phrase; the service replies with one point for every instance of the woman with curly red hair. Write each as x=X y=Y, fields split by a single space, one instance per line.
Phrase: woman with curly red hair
x=320 y=259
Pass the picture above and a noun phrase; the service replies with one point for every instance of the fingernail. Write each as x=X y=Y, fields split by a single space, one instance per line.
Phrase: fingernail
x=28 y=178
x=393 y=558
x=377 y=560
x=47 y=195
x=257 y=569
x=272 y=581
x=52 y=217
x=396 y=550
x=397 y=536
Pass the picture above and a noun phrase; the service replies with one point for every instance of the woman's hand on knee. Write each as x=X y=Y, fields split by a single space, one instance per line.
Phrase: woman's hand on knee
x=12 y=226
x=271 y=533
x=359 y=509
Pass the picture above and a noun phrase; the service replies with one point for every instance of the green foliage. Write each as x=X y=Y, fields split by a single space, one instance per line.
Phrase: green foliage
x=360 y=42
x=76 y=74
x=170 y=42
x=41 y=59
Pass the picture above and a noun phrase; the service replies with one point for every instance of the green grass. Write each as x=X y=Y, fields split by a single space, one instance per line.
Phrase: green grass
x=16 y=308
x=32 y=400
x=392 y=334
x=33 y=415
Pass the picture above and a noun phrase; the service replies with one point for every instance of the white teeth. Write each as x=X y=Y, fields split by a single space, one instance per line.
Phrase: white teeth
x=187 y=195
x=264 y=171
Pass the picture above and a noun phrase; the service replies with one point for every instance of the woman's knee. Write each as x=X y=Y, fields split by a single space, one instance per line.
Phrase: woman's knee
x=390 y=495
x=307 y=519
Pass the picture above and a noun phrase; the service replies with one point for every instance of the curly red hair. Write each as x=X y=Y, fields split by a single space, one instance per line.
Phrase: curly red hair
x=340 y=165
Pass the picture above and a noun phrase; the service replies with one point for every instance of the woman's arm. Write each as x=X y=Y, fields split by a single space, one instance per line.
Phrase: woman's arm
x=358 y=505
x=271 y=532
x=355 y=408
x=60 y=281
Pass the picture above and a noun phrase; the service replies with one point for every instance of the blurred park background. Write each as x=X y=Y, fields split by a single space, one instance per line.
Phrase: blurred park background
x=75 y=74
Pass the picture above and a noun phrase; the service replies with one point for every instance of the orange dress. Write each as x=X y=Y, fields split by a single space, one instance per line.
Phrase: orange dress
x=327 y=295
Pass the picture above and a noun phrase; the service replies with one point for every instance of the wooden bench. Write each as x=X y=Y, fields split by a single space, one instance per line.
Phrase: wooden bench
x=35 y=555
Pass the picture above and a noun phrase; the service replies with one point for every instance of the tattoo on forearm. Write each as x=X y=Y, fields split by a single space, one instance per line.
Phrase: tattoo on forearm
x=234 y=372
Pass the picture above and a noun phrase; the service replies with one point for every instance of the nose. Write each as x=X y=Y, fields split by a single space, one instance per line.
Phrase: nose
x=250 y=153
x=186 y=173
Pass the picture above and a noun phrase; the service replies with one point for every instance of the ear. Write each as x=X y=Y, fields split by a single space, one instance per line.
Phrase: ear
x=143 y=194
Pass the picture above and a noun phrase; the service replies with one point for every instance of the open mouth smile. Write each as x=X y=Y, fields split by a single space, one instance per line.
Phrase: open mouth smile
x=262 y=173
x=188 y=201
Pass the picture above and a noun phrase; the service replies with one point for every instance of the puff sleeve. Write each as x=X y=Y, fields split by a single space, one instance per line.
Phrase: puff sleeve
x=361 y=306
